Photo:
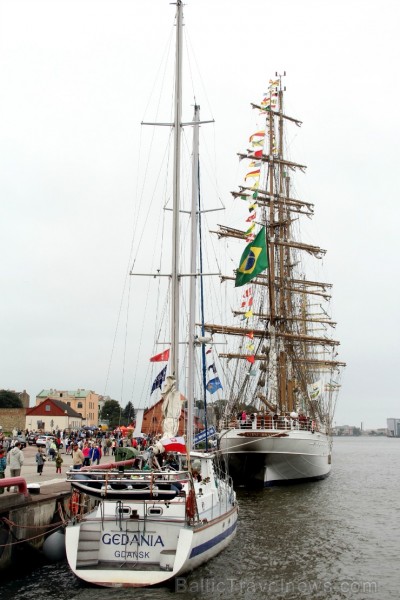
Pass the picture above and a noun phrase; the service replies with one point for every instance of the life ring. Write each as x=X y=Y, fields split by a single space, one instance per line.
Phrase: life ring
x=74 y=503
x=190 y=504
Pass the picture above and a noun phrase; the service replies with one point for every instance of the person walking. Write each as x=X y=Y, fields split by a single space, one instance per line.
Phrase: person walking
x=113 y=447
x=59 y=462
x=97 y=454
x=77 y=457
x=53 y=450
x=107 y=447
x=15 y=460
x=3 y=465
x=86 y=454
x=91 y=452
x=40 y=460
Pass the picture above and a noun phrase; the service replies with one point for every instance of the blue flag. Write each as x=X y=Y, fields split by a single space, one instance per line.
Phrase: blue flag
x=159 y=380
x=213 y=385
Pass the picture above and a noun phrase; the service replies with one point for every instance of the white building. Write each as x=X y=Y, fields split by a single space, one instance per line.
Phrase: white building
x=393 y=427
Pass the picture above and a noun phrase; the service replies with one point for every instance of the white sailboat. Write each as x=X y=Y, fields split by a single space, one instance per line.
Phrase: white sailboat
x=283 y=372
x=148 y=526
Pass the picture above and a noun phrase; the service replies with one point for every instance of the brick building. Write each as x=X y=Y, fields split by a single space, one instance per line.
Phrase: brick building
x=153 y=417
x=24 y=396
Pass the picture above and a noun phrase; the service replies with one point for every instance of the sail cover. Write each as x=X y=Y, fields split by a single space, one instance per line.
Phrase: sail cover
x=172 y=408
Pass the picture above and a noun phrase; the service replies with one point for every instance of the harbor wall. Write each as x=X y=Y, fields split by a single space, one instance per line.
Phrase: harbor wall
x=12 y=418
x=25 y=522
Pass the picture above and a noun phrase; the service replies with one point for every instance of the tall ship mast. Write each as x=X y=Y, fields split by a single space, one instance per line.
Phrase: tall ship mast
x=278 y=416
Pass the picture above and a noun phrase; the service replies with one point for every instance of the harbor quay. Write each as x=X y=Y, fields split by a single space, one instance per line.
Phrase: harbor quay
x=49 y=476
x=26 y=520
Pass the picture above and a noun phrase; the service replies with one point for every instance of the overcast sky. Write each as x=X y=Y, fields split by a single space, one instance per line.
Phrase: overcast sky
x=75 y=79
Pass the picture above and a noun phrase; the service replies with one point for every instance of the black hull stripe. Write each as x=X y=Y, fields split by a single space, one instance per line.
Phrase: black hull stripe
x=213 y=542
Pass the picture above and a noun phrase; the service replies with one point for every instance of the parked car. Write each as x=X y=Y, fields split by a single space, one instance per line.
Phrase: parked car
x=42 y=440
x=32 y=437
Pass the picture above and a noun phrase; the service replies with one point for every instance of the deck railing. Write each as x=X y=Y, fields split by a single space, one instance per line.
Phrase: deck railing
x=105 y=475
x=276 y=423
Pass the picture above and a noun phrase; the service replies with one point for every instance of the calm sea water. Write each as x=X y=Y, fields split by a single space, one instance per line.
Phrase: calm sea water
x=333 y=539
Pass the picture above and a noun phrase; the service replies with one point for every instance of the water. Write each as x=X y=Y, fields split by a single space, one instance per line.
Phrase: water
x=333 y=539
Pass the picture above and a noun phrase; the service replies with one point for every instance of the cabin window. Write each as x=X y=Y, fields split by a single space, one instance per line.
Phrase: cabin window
x=47 y=408
x=124 y=510
x=155 y=510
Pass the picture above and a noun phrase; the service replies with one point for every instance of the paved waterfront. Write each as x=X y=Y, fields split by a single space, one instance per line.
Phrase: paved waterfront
x=49 y=476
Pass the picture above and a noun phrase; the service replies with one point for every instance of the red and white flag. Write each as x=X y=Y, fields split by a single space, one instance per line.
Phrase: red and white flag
x=163 y=356
x=174 y=444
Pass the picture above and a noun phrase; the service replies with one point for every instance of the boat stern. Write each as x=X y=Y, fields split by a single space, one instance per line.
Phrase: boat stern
x=114 y=558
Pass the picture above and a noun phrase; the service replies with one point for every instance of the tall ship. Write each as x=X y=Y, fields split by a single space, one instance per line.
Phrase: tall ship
x=282 y=367
x=147 y=519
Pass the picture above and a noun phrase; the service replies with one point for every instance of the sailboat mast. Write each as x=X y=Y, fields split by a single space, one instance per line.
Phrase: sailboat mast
x=192 y=290
x=176 y=196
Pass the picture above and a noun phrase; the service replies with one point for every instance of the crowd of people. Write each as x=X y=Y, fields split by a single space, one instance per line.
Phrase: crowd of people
x=263 y=420
x=86 y=447
x=8 y=442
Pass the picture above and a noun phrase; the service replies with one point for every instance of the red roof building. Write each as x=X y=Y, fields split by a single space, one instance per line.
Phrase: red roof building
x=52 y=415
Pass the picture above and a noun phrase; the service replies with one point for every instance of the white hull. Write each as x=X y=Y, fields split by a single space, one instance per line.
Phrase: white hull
x=146 y=559
x=136 y=543
x=272 y=457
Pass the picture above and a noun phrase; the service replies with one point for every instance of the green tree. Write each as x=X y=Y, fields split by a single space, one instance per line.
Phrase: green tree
x=128 y=414
x=356 y=431
x=10 y=400
x=219 y=408
x=111 y=412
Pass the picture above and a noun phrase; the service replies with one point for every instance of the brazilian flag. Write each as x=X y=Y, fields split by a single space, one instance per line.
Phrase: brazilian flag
x=254 y=259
